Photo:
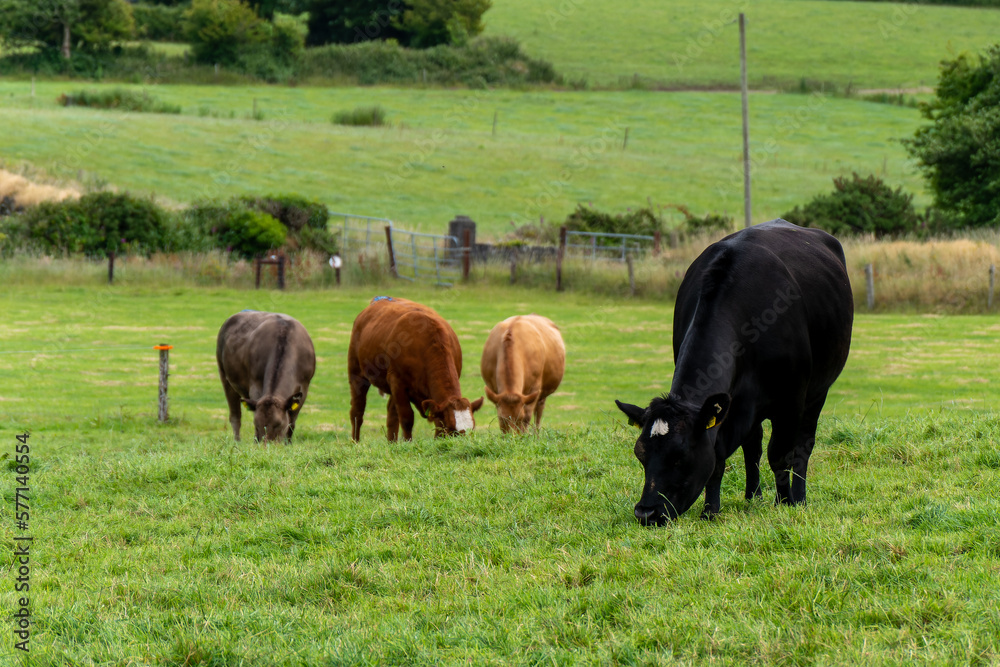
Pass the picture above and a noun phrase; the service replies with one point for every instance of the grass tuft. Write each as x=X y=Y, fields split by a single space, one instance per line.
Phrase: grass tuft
x=369 y=116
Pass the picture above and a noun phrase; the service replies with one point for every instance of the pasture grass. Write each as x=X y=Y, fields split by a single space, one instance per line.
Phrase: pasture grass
x=551 y=150
x=169 y=544
x=815 y=44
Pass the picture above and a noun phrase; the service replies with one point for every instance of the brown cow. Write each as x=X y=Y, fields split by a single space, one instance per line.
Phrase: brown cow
x=523 y=362
x=266 y=361
x=407 y=351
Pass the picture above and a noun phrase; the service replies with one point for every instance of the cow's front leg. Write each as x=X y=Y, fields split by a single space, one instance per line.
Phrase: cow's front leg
x=753 y=447
x=391 y=420
x=713 y=491
x=780 y=456
x=403 y=413
x=235 y=408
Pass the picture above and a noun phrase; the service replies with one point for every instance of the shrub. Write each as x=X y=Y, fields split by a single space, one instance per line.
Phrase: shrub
x=483 y=61
x=710 y=222
x=96 y=224
x=118 y=98
x=859 y=205
x=588 y=219
x=158 y=22
x=361 y=116
x=293 y=211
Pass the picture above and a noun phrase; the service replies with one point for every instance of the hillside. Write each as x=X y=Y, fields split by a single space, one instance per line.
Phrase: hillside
x=694 y=44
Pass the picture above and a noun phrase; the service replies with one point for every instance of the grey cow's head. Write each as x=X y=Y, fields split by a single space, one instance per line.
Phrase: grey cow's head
x=272 y=416
x=677 y=451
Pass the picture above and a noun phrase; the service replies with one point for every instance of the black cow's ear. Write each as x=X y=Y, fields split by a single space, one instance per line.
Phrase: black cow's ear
x=251 y=405
x=294 y=403
x=714 y=411
x=635 y=414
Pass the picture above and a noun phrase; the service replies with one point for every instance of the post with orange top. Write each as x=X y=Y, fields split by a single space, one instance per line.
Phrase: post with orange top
x=164 y=367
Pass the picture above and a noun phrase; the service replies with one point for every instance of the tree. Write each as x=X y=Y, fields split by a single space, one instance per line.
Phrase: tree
x=91 y=25
x=349 y=21
x=220 y=31
x=432 y=22
x=416 y=23
x=959 y=152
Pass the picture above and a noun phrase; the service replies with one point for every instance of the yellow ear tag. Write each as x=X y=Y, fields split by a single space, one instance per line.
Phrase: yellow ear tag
x=295 y=406
x=711 y=423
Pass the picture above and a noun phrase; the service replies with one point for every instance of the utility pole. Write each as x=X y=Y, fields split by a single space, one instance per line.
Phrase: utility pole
x=747 y=218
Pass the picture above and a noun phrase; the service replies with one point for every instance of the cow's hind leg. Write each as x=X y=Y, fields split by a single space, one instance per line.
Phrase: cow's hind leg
x=805 y=440
x=391 y=420
x=779 y=455
x=753 y=447
x=233 y=399
x=539 y=409
x=359 y=400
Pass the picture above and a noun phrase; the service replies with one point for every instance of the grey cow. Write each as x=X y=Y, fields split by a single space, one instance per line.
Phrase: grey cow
x=266 y=361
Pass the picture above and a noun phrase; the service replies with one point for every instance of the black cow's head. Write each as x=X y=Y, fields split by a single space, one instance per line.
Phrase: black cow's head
x=272 y=416
x=677 y=451
x=514 y=409
x=452 y=417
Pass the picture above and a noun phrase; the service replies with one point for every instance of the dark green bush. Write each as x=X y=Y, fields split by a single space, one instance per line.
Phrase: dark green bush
x=710 y=222
x=483 y=61
x=373 y=116
x=235 y=228
x=95 y=225
x=859 y=205
x=118 y=98
x=293 y=211
x=638 y=221
x=158 y=23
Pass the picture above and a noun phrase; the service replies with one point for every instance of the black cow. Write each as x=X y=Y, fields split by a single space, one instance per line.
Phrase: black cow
x=266 y=361
x=762 y=328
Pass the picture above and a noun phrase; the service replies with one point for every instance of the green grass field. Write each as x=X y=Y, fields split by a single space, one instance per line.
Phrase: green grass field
x=694 y=43
x=171 y=544
x=551 y=151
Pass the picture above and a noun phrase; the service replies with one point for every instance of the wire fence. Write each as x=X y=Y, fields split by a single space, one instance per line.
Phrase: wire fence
x=615 y=247
x=361 y=232
x=417 y=256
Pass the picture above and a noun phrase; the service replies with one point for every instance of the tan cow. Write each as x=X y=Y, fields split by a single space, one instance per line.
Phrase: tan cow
x=523 y=363
x=408 y=351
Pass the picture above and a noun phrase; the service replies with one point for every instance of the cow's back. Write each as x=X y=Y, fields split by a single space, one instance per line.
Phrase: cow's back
x=263 y=353
x=396 y=334
x=779 y=291
x=536 y=343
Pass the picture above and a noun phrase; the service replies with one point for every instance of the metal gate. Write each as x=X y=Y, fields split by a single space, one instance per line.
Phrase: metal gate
x=426 y=256
x=608 y=246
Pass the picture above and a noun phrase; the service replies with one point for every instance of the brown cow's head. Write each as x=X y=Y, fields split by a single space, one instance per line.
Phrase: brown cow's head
x=272 y=416
x=514 y=409
x=452 y=417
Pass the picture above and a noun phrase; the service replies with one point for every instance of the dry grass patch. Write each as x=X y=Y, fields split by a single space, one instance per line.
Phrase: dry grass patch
x=28 y=193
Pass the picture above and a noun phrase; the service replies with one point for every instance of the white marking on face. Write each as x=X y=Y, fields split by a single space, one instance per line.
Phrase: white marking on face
x=463 y=420
x=659 y=428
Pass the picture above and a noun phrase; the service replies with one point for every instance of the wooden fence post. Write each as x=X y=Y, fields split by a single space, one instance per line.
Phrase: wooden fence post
x=164 y=373
x=513 y=267
x=559 y=258
x=392 y=255
x=466 y=253
x=657 y=241
x=257 y=273
x=111 y=267
x=870 y=285
x=631 y=274
x=993 y=273
x=625 y=140
x=281 y=272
